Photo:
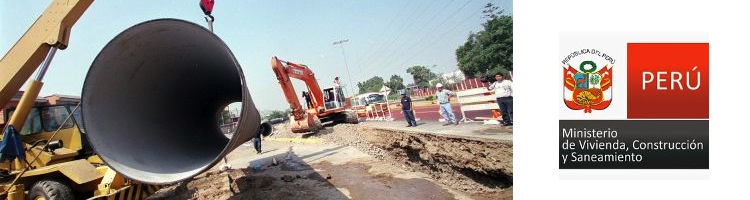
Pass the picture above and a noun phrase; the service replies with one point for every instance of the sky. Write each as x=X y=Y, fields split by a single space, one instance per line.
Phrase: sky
x=385 y=37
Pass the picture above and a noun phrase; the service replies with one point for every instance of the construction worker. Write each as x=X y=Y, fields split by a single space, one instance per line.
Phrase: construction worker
x=306 y=95
x=256 y=143
x=443 y=98
x=503 y=89
x=49 y=122
x=336 y=88
x=406 y=107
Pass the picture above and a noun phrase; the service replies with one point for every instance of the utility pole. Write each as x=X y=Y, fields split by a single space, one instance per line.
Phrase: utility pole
x=341 y=43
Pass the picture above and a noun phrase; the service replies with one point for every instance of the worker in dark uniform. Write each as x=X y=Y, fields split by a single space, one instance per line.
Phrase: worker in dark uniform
x=306 y=95
x=256 y=143
x=407 y=109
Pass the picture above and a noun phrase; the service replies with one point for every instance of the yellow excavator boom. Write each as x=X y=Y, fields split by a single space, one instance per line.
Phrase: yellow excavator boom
x=51 y=29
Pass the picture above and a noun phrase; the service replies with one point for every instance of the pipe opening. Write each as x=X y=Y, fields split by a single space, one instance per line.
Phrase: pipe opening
x=151 y=98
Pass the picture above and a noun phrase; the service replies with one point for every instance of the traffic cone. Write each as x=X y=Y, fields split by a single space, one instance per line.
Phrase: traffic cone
x=496 y=117
x=496 y=114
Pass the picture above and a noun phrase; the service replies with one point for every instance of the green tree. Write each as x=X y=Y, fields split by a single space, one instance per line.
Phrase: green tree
x=490 y=50
x=395 y=83
x=422 y=75
x=371 y=85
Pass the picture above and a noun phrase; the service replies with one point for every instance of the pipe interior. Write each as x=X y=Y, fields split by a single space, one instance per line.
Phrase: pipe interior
x=152 y=99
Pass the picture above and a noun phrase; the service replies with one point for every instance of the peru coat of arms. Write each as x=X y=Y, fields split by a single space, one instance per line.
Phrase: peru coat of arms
x=589 y=86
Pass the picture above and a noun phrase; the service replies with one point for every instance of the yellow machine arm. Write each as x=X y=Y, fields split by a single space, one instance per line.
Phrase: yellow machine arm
x=50 y=32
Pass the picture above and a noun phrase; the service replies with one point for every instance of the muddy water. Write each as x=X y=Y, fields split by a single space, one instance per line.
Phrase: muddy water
x=363 y=185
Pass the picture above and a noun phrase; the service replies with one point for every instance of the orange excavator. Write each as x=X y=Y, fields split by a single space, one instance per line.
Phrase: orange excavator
x=328 y=105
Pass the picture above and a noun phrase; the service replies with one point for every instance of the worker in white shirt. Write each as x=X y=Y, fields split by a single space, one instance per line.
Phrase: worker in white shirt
x=336 y=90
x=504 y=93
x=444 y=99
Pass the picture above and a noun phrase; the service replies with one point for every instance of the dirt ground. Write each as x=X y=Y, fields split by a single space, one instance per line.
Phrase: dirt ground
x=480 y=167
x=357 y=162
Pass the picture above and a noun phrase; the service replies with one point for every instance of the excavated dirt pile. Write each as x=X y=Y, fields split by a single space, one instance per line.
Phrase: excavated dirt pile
x=479 y=168
x=482 y=168
x=247 y=184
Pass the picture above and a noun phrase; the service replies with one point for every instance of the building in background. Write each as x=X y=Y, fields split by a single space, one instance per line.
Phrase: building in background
x=55 y=99
x=60 y=99
x=453 y=77
x=449 y=79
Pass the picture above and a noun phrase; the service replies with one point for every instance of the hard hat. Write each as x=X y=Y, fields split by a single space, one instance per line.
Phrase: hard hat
x=439 y=85
x=403 y=92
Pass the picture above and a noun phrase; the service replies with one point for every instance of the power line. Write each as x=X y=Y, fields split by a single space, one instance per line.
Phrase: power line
x=403 y=8
x=431 y=31
x=390 y=35
x=403 y=29
x=383 y=61
x=389 y=67
x=439 y=38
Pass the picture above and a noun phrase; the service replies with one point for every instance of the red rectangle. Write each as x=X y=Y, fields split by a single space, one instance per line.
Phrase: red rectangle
x=668 y=80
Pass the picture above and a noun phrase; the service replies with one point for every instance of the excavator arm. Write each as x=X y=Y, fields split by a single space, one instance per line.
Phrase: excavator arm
x=48 y=33
x=51 y=29
x=301 y=72
x=284 y=70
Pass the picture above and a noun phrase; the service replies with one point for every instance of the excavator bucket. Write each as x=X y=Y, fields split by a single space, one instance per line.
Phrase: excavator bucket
x=308 y=123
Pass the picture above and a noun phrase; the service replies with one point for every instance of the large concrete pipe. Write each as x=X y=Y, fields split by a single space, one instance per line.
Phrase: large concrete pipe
x=152 y=98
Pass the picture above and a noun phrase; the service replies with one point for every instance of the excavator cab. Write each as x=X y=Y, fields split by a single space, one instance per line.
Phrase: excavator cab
x=334 y=98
